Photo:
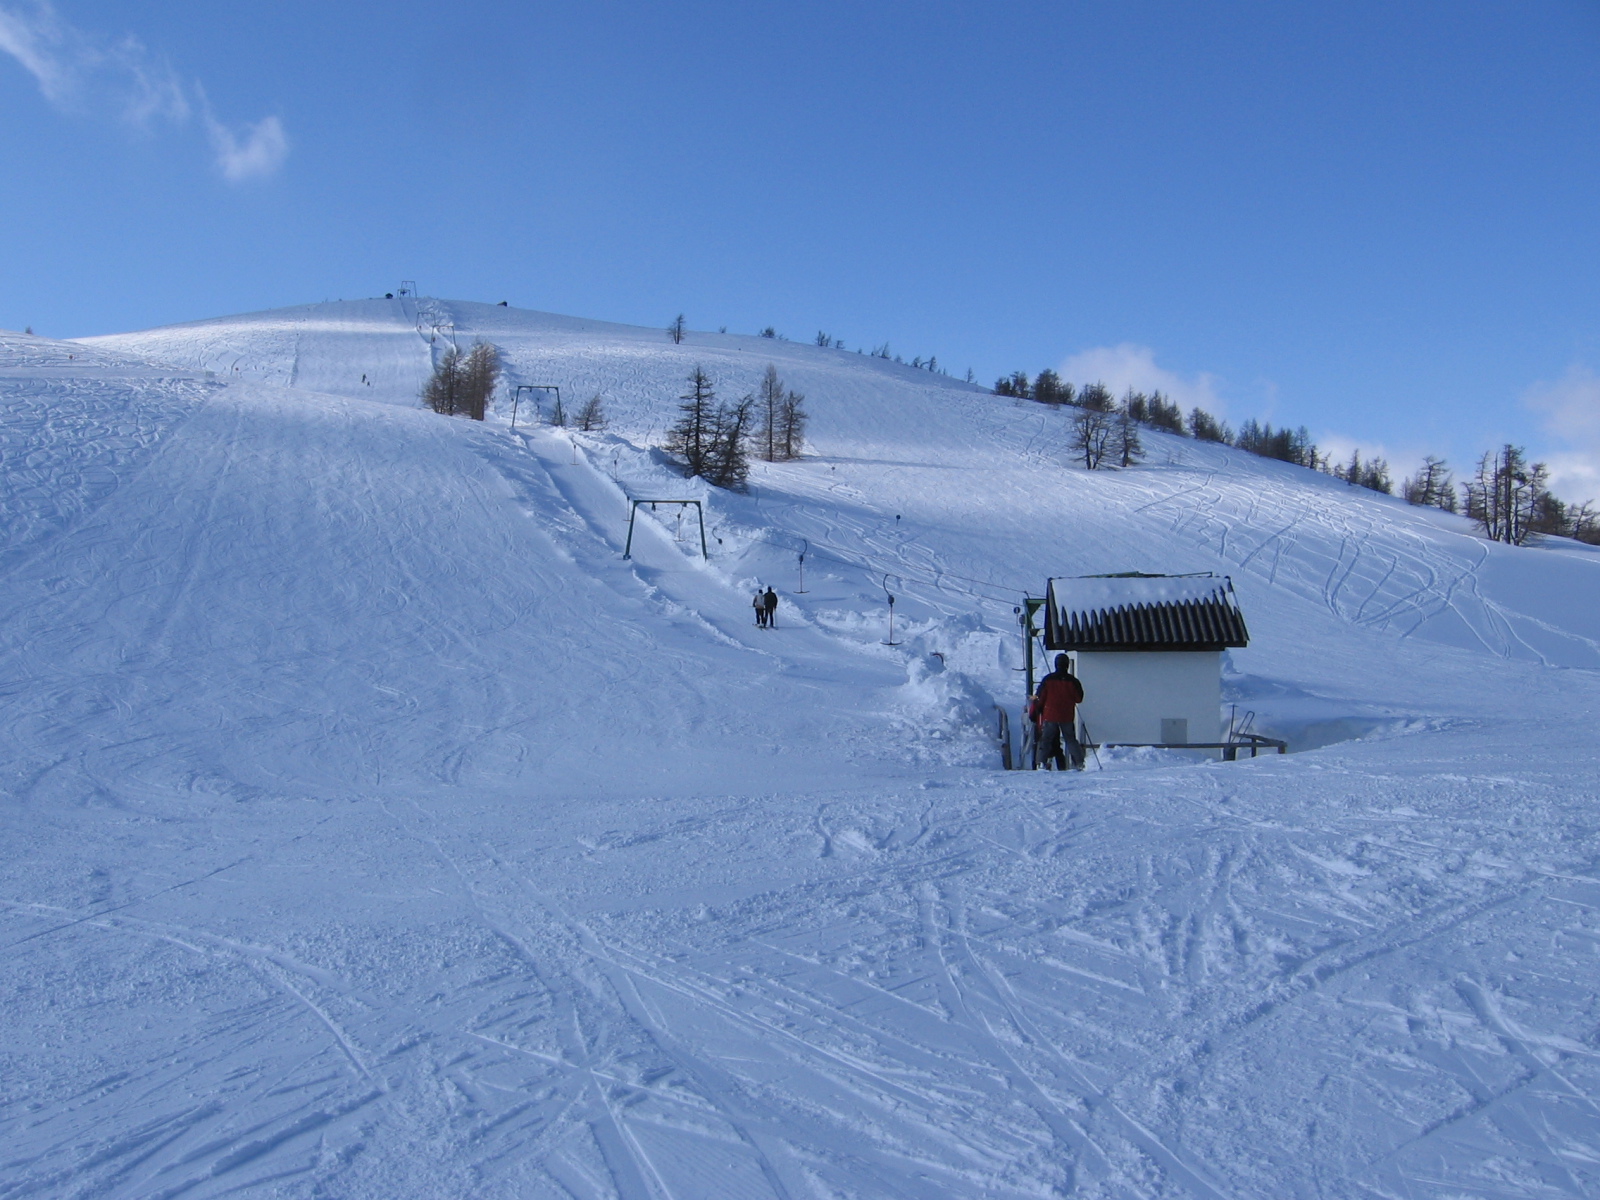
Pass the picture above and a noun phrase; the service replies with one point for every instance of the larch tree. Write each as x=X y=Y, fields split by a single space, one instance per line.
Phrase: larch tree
x=445 y=391
x=728 y=464
x=1206 y=428
x=769 y=400
x=1048 y=388
x=1432 y=485
x=1126 y=446
x=692 y=437
x=1507 y=495
x=792 y=419
x=480 y=376
x=1096 y=396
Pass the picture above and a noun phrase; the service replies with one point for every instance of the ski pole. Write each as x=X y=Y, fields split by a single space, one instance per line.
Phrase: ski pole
x=1098 y=765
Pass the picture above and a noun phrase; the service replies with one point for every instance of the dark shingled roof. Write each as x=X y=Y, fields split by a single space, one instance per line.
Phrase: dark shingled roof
x=1207 y=618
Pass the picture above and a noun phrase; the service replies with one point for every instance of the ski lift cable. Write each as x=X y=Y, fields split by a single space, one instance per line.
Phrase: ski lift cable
x=867 y=562
x=875 y=566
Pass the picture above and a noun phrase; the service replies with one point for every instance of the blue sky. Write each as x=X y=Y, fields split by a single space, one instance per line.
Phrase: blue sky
x=1377 y=220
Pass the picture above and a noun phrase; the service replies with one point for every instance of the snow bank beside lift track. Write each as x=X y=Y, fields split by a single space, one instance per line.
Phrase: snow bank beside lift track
x=375 y=829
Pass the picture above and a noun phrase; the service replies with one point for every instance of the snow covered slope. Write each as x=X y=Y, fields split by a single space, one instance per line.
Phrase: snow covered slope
x=375 y=829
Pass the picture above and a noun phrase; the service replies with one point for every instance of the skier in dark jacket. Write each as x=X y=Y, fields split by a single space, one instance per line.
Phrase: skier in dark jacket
x=1055 y=710
x=770 y=603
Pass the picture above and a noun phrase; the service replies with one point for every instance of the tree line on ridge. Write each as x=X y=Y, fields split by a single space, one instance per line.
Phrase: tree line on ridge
x=1507 y=496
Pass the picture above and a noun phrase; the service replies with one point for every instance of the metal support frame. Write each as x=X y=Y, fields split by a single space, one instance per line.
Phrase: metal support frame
x=516 y=395
x=1230 y=750
x=633 y=511
x=888 y=593
x=1025 y=614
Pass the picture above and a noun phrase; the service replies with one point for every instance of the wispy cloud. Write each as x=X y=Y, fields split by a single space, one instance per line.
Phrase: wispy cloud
x=1571 y=409
x=1402 y=460
x=85 y=73
x=255 y=153
x=1128 y=365
x=37 y=43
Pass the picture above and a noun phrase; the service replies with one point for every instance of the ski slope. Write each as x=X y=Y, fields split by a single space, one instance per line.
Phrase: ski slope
x=376 y=830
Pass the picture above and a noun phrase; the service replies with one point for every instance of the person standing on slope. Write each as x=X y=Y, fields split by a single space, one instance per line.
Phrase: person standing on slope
x=1055 y=710
x=760 y=605
x=770 y=603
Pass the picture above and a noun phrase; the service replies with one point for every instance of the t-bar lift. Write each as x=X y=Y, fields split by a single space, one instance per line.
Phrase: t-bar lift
x=633 y=510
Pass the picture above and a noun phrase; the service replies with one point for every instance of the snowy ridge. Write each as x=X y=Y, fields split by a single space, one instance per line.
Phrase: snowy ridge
x=376 y=830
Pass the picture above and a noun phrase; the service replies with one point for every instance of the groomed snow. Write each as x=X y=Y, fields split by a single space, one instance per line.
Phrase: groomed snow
x=374 y=829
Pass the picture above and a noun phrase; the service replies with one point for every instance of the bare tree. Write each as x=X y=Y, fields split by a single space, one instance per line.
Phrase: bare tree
x=1091 y=435
x=1507 y=496
x=676 y=330
x=592 y=416
x=444 y=392
x=769 y=400
x=1584 y=523
x=792 y=419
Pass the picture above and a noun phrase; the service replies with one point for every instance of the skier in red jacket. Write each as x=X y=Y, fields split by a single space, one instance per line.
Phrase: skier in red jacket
x=1054 y=710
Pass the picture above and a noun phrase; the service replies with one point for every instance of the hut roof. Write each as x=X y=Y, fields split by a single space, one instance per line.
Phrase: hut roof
x=1143 y=612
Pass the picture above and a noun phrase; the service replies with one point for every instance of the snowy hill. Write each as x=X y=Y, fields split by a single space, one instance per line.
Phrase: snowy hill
x=379 y=831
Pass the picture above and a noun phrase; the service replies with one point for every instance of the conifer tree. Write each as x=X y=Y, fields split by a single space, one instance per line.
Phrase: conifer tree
x=1096 y=396
x=1206 y=428
x=1125 y=443
x=1431 y=486
x=1015 y=384
x=769 y=400
x=692 y=437
x=1166 y=415
x=728 y=465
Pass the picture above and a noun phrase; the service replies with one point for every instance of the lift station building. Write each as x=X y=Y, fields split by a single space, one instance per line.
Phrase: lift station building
x=1148 y=650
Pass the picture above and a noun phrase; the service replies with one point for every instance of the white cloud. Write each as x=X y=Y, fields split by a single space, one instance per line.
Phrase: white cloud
x=81 y=72
x=1402 y=461
x=1127 y=365
x=1571 y=408
x=258 y=152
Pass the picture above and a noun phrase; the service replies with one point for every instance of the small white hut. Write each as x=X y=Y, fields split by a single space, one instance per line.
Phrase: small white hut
x=1148 y=650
